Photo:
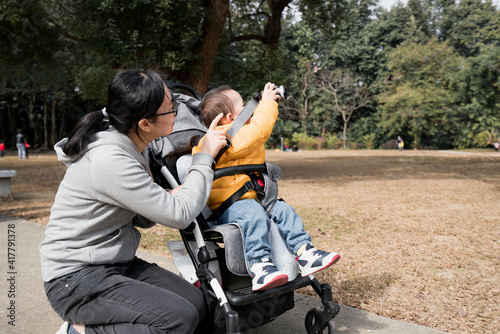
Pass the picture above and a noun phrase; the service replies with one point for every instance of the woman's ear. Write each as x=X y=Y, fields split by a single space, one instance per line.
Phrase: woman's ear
x=144 y=125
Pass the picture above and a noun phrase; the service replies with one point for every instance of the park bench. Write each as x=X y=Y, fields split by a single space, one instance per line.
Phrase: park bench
x=5 y=176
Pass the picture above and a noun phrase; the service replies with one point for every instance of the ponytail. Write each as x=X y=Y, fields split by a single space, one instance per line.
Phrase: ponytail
x=79 y=137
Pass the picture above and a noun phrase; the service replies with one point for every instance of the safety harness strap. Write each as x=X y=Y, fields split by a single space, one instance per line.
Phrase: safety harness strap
x=237 y=125
x=253 y=184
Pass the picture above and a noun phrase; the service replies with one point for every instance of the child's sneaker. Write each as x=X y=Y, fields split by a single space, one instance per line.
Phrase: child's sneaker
x=266 y=276
x=313 y=260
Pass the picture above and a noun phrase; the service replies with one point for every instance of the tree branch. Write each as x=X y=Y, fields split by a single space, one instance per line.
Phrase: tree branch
x=261 y=38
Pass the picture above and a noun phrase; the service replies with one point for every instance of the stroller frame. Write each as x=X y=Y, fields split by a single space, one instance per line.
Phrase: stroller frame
x=240 y=308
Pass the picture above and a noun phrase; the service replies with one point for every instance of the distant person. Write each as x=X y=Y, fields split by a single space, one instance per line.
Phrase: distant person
x=496 y=145
x=401 y=144
x=20 y=144
x=26 y=147
x=2 y=149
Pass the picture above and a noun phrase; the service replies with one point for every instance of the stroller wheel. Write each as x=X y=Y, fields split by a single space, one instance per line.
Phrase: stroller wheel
x=316 y=324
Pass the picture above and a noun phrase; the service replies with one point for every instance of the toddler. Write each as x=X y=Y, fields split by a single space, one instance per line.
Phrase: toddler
x=247 y=147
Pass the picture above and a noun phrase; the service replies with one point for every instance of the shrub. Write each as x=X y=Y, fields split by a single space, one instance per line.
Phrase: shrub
x=486 y=138
x=303 y=141
x=390 y=145
x=356 y=146
x=332 y=142
x=369 y=141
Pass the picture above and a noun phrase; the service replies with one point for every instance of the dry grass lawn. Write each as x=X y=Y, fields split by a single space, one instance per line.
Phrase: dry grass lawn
x=418 y=231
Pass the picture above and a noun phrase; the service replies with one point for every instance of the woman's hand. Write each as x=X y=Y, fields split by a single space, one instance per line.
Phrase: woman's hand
x=269 y=93
x=214 y=139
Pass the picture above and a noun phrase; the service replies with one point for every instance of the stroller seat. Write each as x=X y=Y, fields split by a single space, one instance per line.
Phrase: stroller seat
x=234 y=246
x=233 y=239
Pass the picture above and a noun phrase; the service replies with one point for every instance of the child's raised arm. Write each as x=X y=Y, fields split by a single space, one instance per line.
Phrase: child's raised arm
x=270 y=93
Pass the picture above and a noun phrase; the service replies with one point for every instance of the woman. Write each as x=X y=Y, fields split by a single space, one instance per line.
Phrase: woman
x=93 y=279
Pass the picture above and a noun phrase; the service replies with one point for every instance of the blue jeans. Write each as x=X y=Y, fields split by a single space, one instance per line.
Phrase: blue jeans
x=255 y=224
x=128 y=298
x=21 y=151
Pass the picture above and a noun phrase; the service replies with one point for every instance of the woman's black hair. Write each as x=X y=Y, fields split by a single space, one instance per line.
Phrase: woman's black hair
x=132 y=96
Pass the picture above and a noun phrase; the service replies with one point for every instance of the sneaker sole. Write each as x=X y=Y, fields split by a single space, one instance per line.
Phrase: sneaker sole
x=334 y=260
x=277 y=281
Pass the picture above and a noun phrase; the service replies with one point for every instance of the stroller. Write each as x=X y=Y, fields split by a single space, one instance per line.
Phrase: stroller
x=212 y=258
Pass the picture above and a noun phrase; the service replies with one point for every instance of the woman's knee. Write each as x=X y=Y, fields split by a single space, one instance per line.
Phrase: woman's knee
x=197 y=299
x=188 y=318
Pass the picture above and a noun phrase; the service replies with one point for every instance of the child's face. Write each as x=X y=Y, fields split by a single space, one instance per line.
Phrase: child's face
x=237 y=102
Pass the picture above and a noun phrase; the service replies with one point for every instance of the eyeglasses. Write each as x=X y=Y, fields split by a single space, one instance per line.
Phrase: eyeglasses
x=175 y=108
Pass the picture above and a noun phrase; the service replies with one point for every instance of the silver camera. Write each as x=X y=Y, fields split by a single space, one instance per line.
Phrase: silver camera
x=281 y=91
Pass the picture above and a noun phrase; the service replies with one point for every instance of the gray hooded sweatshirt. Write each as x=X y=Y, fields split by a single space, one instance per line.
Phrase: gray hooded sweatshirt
x=105 y=193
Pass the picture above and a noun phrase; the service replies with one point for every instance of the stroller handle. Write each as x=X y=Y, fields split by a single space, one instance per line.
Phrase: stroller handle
x=186 y=88
x=260 y=168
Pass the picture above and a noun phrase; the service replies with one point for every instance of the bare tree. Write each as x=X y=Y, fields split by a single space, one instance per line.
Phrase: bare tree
x=305 y=85
x=347 y=91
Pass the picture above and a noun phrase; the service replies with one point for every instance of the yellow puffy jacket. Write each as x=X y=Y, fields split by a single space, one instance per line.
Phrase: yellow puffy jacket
x=247 y=148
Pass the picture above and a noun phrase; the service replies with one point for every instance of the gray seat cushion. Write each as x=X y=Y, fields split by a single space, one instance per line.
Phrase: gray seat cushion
x=282 y=258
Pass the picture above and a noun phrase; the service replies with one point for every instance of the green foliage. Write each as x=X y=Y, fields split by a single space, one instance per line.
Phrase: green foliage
x=282 y=129
x=304 y=141
x=479 y=94
x=419 y=100
x=486 y=138
x=366 y=126
x=369 y=141
x=471 y=25
x=332 y=141
x=433 y=65
x=324 y=15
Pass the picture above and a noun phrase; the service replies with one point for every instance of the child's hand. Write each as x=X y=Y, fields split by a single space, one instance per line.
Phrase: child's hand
x=269 y=93
x=214 y=139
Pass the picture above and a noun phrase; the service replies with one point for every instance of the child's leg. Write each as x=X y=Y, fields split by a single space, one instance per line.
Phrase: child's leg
x=254 y=224
x=290 y=225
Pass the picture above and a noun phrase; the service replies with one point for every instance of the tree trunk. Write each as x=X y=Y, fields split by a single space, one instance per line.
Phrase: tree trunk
x=2 y=128
x=272 y=30
x=201 y=69
x=12 y=122
x=53 y=133
x=303 y=116
x=45 y=129
x=344 y=136
x=31 y=116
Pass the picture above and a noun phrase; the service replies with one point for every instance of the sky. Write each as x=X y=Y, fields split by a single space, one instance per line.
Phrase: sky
x=388 y=3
